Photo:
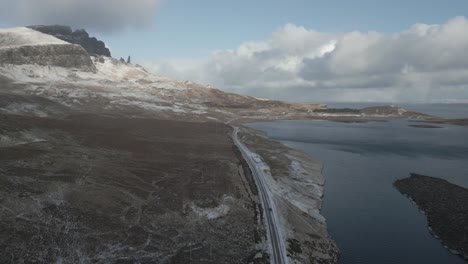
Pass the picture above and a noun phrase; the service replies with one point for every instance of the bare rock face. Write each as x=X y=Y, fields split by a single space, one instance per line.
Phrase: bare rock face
x=66 y=55
x=80 y=37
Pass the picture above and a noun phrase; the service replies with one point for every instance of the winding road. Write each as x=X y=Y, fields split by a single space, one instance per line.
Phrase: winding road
x=278 y=255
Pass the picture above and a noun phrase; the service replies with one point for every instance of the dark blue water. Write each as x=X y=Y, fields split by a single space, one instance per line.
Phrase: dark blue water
x=368 y=218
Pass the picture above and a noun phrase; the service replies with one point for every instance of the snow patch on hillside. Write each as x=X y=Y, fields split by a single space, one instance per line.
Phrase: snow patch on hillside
x=115 y=70
x=114 y=85
x=21 y=36
x=23 y=108
x=21 y=138
x=42 y=74
x=211 y=213
x=148 y=105
x=110 y=72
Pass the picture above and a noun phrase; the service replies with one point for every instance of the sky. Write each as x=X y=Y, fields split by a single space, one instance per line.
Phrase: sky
x=299 y=50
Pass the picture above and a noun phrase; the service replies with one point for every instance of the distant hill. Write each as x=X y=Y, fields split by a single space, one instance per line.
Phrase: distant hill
x=92 y=45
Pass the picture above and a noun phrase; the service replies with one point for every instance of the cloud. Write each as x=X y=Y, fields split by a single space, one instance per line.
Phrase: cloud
x=422 y=63
x=100 y=15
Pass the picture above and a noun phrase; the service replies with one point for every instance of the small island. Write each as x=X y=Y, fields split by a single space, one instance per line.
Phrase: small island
x=446 y=207
x=424 y=126
x=438 y=120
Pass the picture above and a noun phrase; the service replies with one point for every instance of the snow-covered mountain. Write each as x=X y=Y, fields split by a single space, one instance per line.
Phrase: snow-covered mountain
x=44 y=66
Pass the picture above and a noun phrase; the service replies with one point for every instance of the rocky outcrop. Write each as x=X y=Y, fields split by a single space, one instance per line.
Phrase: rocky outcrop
x=445 y=205
x=80 y=37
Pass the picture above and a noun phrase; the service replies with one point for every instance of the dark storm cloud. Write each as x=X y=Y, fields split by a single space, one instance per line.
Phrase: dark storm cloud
x=99 y=15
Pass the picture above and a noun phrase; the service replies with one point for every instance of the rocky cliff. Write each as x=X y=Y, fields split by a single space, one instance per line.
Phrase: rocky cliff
x=21 y=46
x=67 y=56
x=80 y=37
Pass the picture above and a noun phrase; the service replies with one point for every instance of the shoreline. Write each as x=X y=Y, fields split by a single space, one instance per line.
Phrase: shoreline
x=297 y=185
x=385 y=119
x=431 y=231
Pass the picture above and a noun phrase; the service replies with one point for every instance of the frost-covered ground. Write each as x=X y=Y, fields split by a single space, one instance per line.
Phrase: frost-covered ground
x=23 y=108
x=20 y=138
x=95 y=188
x=114 y=85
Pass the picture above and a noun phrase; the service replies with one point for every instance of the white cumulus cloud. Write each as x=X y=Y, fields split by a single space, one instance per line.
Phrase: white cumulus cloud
x=422 y=63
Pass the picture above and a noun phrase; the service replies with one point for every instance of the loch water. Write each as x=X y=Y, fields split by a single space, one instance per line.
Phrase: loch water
x=367 y=217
